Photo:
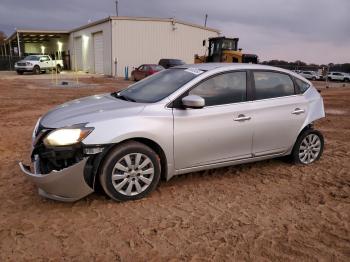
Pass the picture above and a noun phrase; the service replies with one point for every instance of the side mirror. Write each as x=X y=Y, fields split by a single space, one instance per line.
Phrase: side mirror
x=193 y=101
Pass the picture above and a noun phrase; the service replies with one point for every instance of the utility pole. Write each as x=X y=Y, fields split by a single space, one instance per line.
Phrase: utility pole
x=116 y=7
x=206 y=18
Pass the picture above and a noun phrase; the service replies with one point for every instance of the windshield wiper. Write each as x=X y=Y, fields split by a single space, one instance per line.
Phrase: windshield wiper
x=119 y=96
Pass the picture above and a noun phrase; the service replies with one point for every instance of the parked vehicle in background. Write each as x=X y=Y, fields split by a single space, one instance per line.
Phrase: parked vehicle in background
x=145 y=70
x=184 y=119
x=167 y=63
x=338 y=76
x=311 y=75
x=38 y=64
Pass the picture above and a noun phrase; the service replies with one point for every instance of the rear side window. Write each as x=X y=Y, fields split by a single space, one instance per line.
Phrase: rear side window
x=222 y=89
x=302 y=86
x=272 y=84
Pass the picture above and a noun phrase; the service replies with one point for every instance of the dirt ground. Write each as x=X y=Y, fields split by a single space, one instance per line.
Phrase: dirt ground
x=264 y=211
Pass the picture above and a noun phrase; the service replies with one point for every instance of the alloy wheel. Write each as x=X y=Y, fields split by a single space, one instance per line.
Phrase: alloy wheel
x=309 y=148
x=132 y=174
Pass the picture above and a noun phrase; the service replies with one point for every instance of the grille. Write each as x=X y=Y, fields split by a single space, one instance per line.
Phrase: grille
x=21 y=64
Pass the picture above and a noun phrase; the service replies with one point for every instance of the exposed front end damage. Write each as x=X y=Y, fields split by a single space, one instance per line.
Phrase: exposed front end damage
x=61 y=173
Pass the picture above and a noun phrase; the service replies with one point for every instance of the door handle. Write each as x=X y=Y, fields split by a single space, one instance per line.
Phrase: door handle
x=298 y=111
x=242 y=117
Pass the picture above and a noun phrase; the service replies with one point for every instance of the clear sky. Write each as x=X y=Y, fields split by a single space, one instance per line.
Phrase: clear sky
x=315 y=31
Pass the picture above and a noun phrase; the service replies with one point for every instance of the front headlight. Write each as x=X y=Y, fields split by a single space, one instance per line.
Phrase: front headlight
x=28 y=63
x=67 y=136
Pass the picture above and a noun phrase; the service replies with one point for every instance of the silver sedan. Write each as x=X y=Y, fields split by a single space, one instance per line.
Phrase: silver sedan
x=180 y=120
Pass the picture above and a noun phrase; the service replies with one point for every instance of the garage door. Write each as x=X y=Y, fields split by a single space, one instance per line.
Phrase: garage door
x=98 y=52
x=78 y=54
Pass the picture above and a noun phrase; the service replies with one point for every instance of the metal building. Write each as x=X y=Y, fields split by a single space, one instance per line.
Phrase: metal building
x=107 y=46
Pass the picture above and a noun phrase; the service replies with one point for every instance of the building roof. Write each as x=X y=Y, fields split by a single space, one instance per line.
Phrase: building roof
x=173 y=20
x=35 y=32
x=110 y=18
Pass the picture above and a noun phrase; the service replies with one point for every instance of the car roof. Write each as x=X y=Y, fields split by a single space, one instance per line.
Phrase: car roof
x=233 y=66
x=238 y=66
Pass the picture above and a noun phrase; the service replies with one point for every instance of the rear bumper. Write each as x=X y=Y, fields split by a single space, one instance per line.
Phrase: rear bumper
x=66 y=185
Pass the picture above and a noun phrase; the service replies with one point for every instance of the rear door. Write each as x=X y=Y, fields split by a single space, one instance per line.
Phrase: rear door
x=222 y=130
x=279 y=112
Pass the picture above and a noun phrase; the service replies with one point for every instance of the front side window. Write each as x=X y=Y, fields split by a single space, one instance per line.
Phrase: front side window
x=222 y=89
x=271 y=84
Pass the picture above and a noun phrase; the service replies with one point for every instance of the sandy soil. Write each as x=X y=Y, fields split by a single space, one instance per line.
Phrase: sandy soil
x=264 y=211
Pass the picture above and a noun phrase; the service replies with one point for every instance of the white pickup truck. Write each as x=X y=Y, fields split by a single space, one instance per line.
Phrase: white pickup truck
x=38 y=64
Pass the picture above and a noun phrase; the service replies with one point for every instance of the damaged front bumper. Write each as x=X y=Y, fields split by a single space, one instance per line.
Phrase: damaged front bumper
x=67 y=184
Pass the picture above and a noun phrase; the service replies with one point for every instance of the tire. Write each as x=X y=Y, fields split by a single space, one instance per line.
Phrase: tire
x=346 y=79
x=308 y=148
x=128 y=182
x=36 y=70
x=58 y=69
x=313 y=78
x=329 y=79
x=19 y=72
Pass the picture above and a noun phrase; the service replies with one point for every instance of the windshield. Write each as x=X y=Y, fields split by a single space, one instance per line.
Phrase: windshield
x=32 y=58
x=158 y=86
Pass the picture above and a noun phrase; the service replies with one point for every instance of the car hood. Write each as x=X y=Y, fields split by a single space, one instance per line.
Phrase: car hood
x=88 y=110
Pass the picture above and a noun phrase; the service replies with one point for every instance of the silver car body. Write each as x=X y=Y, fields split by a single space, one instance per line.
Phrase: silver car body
x=191 y=139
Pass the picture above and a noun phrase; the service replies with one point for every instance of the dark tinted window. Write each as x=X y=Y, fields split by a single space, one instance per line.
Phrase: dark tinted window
x=302 y=86
x=157 y=67
x=222 y=89
x=157 y=86
x=271 y=84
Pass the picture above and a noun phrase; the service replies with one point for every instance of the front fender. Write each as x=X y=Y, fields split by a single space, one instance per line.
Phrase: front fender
x=159 y=129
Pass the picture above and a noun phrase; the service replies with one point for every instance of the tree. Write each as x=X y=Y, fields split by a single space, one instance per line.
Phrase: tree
x=2 y=37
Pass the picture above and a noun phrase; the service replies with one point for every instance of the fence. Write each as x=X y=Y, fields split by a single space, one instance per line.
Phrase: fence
x=8 y=62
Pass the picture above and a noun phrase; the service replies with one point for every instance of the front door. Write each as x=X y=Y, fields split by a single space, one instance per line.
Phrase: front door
x=222 y=130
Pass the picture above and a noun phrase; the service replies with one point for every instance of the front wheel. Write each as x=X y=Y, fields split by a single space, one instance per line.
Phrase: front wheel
x=36 y=70
x=19 y=72
x=131 y=171
x=308 y=147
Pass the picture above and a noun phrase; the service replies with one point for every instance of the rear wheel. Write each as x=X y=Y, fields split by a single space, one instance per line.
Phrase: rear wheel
x=131 y=171
x=308 y=148
x=36 y=70
x=314 y=78
x=58 y=69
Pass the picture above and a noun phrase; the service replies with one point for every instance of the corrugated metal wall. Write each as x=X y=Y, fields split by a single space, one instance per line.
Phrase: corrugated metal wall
x=134 y=42
x=138 y=42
